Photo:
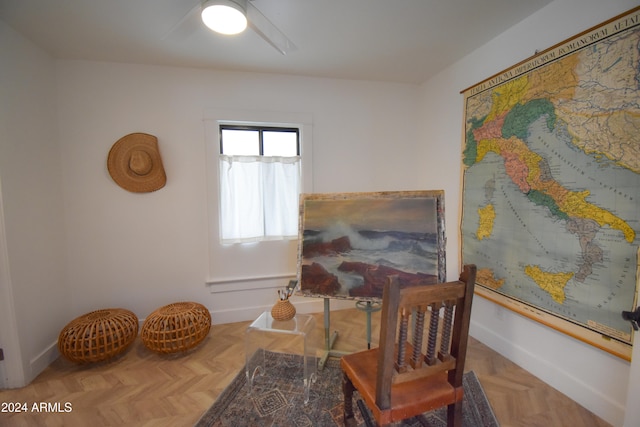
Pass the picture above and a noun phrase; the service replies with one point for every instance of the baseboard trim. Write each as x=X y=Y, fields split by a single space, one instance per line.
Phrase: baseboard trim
x=41 y=361
x=589 y=397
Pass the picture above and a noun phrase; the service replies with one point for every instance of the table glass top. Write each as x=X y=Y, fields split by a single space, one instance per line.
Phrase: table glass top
x=300 y=324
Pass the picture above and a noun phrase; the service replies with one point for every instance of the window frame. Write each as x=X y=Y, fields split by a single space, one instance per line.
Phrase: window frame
x=260 y=129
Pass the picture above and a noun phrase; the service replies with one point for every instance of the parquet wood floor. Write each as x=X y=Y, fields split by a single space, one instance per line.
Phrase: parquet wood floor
x=141 y=388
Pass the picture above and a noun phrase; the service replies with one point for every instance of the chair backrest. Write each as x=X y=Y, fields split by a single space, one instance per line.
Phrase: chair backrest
x=415 y=340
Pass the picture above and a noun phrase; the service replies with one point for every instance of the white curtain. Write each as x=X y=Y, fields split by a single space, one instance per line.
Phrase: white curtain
x=258 y=198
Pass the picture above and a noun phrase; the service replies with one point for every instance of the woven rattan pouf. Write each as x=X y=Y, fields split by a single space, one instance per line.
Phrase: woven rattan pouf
x=176 y=327
x=98 y=335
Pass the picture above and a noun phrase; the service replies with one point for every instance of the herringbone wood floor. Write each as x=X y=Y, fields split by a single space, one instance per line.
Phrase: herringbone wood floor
x=141 y=388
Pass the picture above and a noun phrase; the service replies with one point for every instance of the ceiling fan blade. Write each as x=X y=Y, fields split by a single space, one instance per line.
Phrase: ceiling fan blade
x=187 y=25
x=269 y=32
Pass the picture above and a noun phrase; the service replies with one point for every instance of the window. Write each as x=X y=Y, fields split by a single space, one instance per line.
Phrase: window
x=259 y=141
x=260 y=182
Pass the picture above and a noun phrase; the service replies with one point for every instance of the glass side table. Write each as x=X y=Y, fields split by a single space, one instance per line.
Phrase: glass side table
x=266 y=332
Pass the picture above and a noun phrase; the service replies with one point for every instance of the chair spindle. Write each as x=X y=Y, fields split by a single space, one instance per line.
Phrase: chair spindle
x=446 y=330
x=418 y=332
x=433 y=334
x=402 y=338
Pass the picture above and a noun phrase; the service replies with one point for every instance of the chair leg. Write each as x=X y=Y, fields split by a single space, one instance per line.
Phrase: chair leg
x=347 y=391
x=454 y=414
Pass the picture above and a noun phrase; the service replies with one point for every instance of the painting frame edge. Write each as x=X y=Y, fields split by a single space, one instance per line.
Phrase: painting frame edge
x=437 y=195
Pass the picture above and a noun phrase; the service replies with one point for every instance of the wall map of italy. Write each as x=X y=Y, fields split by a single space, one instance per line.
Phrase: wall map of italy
x=551 y=193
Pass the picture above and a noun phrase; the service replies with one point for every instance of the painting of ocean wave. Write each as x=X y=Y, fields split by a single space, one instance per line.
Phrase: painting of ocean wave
x=351 y=242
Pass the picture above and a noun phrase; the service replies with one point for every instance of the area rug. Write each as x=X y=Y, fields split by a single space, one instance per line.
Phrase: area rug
x=277 y=400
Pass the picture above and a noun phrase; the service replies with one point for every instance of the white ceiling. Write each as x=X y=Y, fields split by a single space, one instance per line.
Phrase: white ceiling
x=384 y=40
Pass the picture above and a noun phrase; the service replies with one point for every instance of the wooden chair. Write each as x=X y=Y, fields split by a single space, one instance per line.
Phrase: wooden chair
x=402 y=378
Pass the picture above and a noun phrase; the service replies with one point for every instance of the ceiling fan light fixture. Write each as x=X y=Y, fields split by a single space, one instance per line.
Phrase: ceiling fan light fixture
x=225 y=16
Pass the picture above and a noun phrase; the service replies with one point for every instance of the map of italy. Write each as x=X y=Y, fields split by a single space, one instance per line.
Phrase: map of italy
x=552 y=179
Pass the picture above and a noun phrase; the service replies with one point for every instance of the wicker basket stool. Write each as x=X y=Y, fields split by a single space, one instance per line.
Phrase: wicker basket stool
x=98 y=335
x=176 y=327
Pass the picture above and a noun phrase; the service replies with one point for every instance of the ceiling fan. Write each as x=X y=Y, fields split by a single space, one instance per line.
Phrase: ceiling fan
x=243 y=9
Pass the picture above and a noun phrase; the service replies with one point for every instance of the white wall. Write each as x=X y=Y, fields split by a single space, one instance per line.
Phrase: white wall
x=32 y=200
x=632 y=413
x=593 y=378
x=141 y=251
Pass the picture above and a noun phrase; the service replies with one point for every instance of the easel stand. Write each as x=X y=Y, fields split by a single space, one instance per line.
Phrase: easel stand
x=329 y=338
x=369 y=307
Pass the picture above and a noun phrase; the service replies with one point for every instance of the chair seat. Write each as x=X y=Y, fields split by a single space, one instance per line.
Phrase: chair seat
x=408 y=399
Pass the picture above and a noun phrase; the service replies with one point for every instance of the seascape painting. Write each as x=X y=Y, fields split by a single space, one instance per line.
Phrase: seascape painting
x=350 y=243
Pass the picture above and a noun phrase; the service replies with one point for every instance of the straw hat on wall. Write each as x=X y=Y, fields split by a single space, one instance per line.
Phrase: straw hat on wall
x=135 y=164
